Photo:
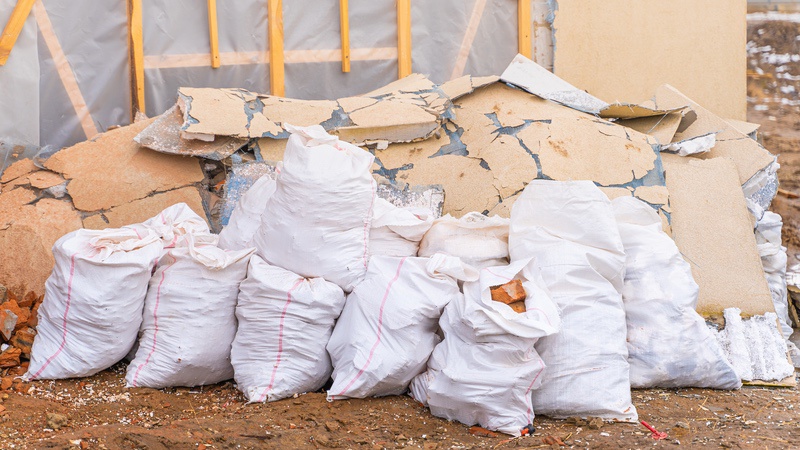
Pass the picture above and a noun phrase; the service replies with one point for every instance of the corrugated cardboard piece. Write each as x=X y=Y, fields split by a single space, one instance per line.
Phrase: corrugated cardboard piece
x=714 y=231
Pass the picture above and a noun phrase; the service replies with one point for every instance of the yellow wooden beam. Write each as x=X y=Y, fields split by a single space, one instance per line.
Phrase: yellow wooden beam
x=276 y=62
x=13 y=28
x=344 y=26
x=524 y=28
x=213 y=34
x=403 y=38
x=137 y=54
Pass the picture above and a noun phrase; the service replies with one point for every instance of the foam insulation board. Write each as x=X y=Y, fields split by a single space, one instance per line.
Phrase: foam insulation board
x=748 y=155
x=527 y=75
x=622 y=50
x=408 y=110
x=164 y=135
x=714 y=231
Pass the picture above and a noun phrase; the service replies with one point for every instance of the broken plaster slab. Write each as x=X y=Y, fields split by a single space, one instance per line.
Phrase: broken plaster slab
x=662 y=128
x=748 y=155
x=164 y=135
x=714 y=231
x=527 y=75
x=410 y=109
x=139 y=210
x=113 y=170
x=467 y=84
x=17 y=169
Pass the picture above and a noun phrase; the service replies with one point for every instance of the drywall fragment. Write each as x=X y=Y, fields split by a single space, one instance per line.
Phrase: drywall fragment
x=743 y=127
x=537 y=80
x=692 y=146
x=16 y=170
x=576 y=150
x=748 y=155
x=714 y=231
x=164 y=135
x=112 y=169
x=407 y=110
x=28 y=230
x=465 y=85
x=140 y=210
x=613 y=192
x=44 y=179
x=509 y=178
x=662 y=128
x=655 y=195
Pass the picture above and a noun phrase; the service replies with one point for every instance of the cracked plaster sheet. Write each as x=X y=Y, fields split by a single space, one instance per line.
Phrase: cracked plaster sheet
x=714 y=231
x=748 y=155
x=164 y=135
x=527 y=75
x=662 y=128
x=409 y=109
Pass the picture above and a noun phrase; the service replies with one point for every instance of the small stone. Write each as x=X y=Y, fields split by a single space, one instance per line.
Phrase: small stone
x=595 y=423
x=508 y=293
x=33 y=320
x=682 y=425
x=332 y=426
x=518 y=307
x=27 y=301
x=23 y=340
x=55 y=421
x=84 y=445
x=5 y=383
x=8 y=320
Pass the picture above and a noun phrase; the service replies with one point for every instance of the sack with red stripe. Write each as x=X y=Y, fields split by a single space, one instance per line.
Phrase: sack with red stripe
x=93 y=301
x=387 y=330
x=285 y=322
x=189 y=316
x=486 y=368
x=317 y=222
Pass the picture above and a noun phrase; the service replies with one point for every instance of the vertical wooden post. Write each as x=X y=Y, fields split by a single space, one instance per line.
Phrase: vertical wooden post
x=13 y=28
x=403 y=38
x=344 y=26
x=524 y=28
x=137 y=55
x=213 y=34
x=276 y=61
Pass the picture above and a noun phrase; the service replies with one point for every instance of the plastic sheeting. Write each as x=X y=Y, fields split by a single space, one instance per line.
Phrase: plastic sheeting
x=480 y=35
x=19 y=92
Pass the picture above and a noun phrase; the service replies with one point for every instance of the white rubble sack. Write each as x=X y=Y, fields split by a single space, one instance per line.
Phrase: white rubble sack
x=669 y=344
x=189 y=316
x=486 y=367
x=387 y=330
x=773 y=259
x=570 y=230
x=397 y=231
x=478 y=240
x=93 y=301
x=755 y=347
x=245 y=219
x=285 y=322
x=317 y=222
x=176 y=221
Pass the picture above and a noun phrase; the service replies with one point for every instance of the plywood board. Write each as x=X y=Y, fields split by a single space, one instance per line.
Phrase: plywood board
x=714 y=231
x=622 y=50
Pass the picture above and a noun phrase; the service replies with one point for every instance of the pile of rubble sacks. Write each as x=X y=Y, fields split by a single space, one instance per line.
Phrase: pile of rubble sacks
x=330 y=264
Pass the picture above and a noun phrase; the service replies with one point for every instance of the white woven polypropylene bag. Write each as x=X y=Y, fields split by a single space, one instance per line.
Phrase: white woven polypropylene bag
x=176 y=221
x=388 y=327
x=189 y=316
x=570 y=230
x=397 y=231
x=93 y=301
x=285 y=322
x=478 y=240
x=669 y=343
x=317 y=222
x=486 y=367
x=246 y=216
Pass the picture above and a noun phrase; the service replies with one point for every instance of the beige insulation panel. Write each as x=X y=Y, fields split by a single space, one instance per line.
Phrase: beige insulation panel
x=622 y=50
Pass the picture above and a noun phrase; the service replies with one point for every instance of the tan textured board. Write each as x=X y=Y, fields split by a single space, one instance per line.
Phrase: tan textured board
x=714 y=232
x=748 y=155
x=622 y=50
x=663 y=128
x=140 y=210
x=112 y=169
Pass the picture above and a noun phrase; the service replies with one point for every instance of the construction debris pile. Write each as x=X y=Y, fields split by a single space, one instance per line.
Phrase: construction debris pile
x=497 y=247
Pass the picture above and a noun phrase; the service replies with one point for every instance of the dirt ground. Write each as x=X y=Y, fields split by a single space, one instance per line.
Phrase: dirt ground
x=99 y=412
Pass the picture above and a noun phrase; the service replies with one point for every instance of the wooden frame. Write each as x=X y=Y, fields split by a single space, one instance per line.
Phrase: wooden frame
x=344 y=27
x=213 y=33
x=403 y=38
x=276 y=61
x=13 y=28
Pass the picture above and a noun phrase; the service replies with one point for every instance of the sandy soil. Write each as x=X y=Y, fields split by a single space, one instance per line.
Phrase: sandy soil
x=98 y=412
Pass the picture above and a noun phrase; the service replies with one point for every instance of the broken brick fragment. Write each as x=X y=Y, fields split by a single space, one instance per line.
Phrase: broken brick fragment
x=23 y=340
x=8 y=320
x=33 y=320
x=23 y=314
x=28 y=300
x=6 y=382
x=10 y=357
x=508 y=293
